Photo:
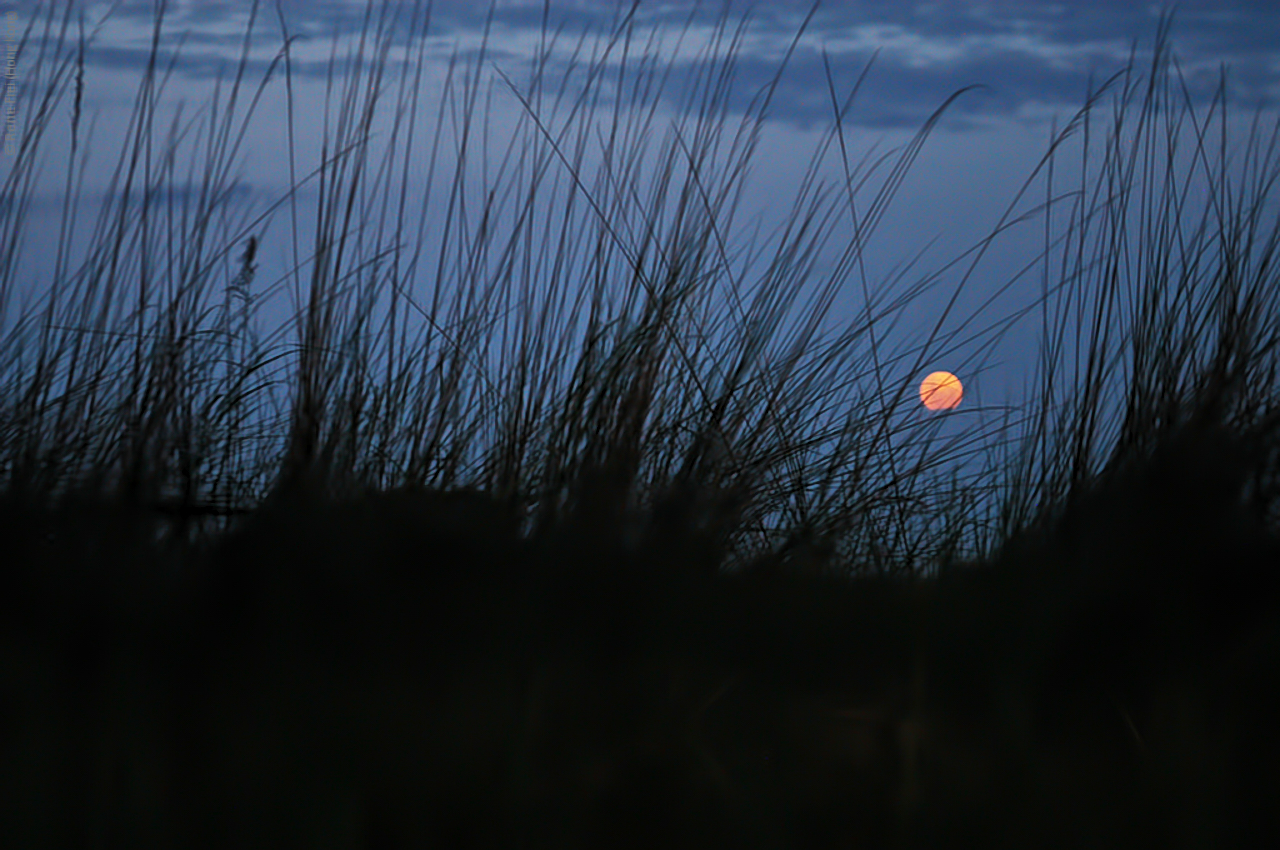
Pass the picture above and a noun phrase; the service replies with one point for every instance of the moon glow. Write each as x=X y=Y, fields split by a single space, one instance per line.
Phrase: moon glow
x=941 y=391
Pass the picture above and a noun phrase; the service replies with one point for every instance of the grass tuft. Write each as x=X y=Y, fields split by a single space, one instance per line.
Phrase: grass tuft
x=665 y=575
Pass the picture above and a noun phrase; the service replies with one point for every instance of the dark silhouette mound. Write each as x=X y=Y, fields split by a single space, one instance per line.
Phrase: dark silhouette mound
x=407 y=669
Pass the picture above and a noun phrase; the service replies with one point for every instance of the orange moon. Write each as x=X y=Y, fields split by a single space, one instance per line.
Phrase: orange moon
x=941 y=391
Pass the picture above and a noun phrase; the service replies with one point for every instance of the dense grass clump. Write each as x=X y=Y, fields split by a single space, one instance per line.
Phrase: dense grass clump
x=640 y=586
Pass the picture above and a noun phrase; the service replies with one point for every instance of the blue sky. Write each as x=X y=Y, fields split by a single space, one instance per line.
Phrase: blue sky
x=1030 y=63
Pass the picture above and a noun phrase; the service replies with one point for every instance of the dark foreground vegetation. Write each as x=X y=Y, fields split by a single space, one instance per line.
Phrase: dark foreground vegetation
x=413 y=605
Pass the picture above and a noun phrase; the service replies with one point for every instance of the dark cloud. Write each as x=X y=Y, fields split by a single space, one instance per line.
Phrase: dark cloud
x=1020 y=52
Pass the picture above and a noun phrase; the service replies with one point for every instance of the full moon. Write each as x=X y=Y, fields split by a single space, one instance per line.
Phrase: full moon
x=941 y=391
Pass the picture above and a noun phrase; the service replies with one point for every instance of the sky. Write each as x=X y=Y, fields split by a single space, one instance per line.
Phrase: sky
x=1021 y=69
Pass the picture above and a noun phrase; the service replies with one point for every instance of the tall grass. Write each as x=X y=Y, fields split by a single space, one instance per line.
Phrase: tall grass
x=145 y=422
x=164 y=394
